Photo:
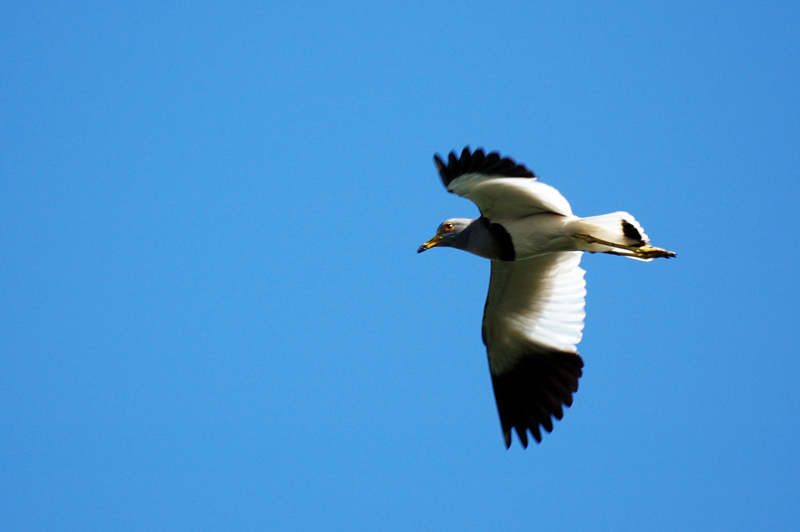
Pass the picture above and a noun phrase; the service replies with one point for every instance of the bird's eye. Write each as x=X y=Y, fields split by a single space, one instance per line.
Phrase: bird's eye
x=448 y=227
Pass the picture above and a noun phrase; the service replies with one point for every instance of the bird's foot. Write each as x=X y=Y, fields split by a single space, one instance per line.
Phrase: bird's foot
x=649 y=252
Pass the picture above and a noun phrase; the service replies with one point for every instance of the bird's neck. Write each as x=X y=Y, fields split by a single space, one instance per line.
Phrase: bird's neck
x=488 y=240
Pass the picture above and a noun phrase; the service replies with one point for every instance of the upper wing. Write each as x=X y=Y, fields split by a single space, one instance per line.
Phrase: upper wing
x=532 y=322
x=500 y=187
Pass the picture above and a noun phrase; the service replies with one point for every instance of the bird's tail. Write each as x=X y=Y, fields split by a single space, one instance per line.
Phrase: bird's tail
x=617 y=233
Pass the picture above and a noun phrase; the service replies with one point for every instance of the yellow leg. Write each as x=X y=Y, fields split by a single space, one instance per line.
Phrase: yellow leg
x=642 y=252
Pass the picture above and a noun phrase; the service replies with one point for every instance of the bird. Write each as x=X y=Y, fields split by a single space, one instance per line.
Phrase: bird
x=534 y=311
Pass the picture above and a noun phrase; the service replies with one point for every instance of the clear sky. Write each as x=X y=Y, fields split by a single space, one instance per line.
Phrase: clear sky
x=213 y=316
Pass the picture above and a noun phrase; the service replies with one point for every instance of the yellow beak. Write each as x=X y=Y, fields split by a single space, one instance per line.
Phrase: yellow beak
x=430 y=243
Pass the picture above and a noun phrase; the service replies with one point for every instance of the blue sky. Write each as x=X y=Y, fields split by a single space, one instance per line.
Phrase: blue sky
x=214 y=317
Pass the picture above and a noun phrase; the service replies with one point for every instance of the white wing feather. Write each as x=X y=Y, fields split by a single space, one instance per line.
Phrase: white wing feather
x=509 y=197
x=534 y=304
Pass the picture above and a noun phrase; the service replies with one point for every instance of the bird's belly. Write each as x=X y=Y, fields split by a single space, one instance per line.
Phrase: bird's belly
x=539 y=234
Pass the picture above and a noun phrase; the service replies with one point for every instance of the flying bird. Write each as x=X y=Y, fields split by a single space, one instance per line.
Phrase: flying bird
x=534 y=311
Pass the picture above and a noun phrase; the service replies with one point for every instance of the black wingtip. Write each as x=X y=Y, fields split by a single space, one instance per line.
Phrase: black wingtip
x=532 y=393
x=440 y=166
x=478 y=162
x=522 y=434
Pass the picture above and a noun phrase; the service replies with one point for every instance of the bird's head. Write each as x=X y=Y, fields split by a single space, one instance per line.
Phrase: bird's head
x=449 y=234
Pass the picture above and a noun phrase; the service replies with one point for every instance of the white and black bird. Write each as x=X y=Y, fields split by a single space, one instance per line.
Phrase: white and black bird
x=534 y=311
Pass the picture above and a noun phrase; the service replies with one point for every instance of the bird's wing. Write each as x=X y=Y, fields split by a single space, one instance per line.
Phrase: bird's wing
x=500 y=187
x=532 y=321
